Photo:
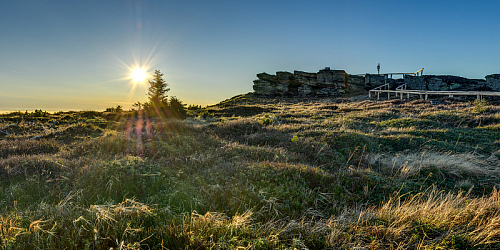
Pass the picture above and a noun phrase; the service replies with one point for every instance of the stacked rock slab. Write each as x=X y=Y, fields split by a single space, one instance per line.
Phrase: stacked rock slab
x=444 y=83
x=375 y=80
x=269 y=85
x=493 y=82
x=326 y=82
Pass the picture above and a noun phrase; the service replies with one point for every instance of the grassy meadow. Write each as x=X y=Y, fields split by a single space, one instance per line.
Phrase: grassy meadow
x=255 y=173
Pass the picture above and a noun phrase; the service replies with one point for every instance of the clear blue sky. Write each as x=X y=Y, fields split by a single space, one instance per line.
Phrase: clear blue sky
x=75 y=55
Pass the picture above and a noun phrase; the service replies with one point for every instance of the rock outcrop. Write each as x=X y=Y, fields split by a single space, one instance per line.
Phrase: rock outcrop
x=327 y=82
x=493 y=82
x=444 y=82
x=375 y=80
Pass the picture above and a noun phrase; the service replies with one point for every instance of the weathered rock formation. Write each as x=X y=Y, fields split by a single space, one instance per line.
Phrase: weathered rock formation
x=444 y=82
x=327 y=82
x=493 y=82
x=375 y=80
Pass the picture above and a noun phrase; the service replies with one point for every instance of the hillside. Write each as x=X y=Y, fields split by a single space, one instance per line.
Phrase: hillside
x=255 y=173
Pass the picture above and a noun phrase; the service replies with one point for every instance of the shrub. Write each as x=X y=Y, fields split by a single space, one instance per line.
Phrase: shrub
x=39 y=113
x=205 y=114
x=480 y=106
x=118 y=109
x=177 y=108
x=91 y=113
x=266 y=120
x=194 y=107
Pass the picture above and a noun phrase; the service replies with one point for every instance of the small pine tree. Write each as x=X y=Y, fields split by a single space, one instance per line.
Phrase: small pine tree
x=157 y=91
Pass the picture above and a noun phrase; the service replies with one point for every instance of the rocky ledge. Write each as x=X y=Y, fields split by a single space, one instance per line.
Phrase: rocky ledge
x=327 y=82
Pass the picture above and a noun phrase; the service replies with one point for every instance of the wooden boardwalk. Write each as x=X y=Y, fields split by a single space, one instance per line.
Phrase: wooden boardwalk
x=424 y=94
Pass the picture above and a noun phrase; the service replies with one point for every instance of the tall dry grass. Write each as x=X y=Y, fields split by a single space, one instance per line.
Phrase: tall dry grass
x=406 y=165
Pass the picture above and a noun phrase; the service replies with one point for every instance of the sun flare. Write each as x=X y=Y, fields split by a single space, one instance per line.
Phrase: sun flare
x=138 y=74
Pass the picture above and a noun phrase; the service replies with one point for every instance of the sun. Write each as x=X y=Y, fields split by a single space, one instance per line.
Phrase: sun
x=138 y=74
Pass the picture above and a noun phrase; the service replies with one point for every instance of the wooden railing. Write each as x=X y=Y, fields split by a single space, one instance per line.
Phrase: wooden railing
x=379 y=90
x=424 y=94
x=400 y=88
x=419 y=72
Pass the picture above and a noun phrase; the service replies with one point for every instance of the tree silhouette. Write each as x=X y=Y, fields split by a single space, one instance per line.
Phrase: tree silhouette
x=138 y=105
x=157 y=91
x=177 y=108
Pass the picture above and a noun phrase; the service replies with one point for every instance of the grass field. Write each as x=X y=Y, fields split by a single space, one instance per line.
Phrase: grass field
x=255 y=173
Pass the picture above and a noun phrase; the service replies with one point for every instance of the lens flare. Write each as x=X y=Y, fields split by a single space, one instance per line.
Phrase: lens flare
x=137 y=70
x=138 y=74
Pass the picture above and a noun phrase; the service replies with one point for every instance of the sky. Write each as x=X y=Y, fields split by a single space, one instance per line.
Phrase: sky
x=77 y=55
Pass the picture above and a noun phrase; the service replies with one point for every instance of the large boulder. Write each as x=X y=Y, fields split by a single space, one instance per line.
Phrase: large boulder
x=333 y=78
x=374 y=80
x=284 y=75
x=326 y=82
x=267 y=77
x=329 y=91
x=302 y=74
x=356 y=81
x=493 y=82
x=305 y=78
x=263 y=87
x=305 y=90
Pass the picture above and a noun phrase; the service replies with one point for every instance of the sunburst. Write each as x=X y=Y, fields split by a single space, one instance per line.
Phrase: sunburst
x=138 y=75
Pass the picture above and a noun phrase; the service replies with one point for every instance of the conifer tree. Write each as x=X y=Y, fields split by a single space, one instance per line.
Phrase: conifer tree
x=157 y=91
